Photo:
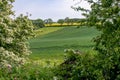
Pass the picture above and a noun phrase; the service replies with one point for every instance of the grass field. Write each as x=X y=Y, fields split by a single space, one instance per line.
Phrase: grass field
x=52 y=41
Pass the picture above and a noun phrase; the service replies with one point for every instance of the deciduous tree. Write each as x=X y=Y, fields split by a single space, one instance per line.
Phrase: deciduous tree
x=61 y=21
x=39 y=23
x=105 y=64
x=48 y=21
x=105 y=16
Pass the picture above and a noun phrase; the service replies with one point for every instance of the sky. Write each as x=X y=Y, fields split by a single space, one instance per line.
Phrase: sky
x=44 y=9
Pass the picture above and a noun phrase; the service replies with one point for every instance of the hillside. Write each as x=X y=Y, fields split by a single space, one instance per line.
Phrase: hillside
x=54 y=42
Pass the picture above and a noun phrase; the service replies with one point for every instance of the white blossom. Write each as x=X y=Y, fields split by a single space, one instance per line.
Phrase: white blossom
x=9 y=40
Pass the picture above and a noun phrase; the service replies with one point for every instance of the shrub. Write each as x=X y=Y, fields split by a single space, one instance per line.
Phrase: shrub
x=29 y=71
x=13 y=36
x=86 y=66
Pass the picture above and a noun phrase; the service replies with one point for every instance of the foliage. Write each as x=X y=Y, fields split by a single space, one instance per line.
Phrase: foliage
x=105 y=65
x=85 y=66
x=61 y=21
x=13 y=36
x=105 y=16
x=48 y=21
x=78 y=65
x=71 y=21
x=29 y=71
x=39 y=23
x=67 y=20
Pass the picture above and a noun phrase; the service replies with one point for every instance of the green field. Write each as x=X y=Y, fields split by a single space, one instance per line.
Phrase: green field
x=52 y=41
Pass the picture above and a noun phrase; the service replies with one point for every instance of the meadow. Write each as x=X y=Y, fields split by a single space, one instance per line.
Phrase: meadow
x=48 y=51
x=50 y=42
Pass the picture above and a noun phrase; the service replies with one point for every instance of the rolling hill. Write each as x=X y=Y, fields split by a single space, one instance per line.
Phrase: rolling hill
x=53 y=43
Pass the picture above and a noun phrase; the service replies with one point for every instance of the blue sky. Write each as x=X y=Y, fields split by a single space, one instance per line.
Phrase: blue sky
x=55 y=9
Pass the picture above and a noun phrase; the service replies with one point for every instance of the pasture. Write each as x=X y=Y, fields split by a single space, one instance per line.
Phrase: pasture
x=50 y=43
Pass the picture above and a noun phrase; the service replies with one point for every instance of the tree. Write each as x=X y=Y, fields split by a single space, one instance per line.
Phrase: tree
x=105 y=16
x=61 y=21
x=48 y=21
x=71 y=21
x=67 y=20
x=105 y=64
x=13 y=36
x=39 y=23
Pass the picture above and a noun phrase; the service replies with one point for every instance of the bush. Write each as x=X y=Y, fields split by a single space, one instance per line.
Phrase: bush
x=29 y=71
x=13 y=46
x=87 y=66
x=13 y=36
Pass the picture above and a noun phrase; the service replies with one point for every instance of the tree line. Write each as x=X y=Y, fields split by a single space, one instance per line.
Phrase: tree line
x=39 y=23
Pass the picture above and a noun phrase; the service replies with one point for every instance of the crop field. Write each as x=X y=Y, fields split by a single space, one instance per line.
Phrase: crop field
x=50 y=43
x=64 y=24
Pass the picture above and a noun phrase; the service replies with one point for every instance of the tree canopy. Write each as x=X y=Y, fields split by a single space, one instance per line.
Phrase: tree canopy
x=48 y=21
x=105 y=64
x=39 y=23
x=61 y=21
x=105 y=16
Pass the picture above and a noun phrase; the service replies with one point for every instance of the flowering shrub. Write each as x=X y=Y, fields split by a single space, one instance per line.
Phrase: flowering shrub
x=13 y=36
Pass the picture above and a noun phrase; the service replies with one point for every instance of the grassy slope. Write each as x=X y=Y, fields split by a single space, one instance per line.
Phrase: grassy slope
x=52 y=45
x=46 y=30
